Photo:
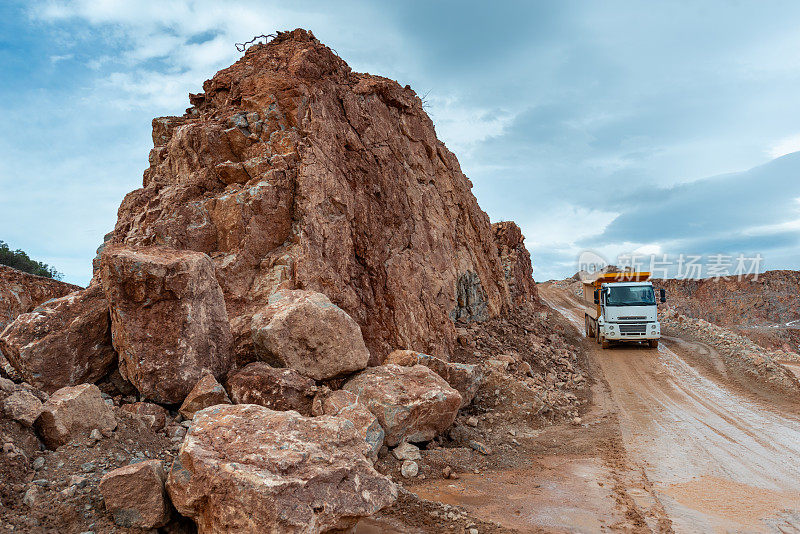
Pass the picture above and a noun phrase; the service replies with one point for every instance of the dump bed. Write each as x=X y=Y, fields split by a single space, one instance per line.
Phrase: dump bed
x=589 y=286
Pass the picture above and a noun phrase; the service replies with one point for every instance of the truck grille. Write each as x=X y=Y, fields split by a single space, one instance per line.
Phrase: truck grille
x=632 y=318
x=632 y=329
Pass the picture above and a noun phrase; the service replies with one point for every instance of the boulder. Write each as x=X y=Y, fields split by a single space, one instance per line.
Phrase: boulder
x=248 y=469
x=168 y=319
x=207 y=392
x=23 y=407
x=411 y=403
x=134 y=495
x=345 y=404
x=152 y=415
x=63 y=342
x=72 y=413
x=278 y=389
x=464 y=378
x=305 y=331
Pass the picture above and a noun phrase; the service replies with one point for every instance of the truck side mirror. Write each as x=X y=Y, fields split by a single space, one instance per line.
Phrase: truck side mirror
x=663 y=295
x=596 y=296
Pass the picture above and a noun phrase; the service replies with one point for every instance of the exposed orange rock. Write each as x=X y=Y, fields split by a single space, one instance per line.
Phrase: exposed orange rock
x=516 y=261
x=292 y=171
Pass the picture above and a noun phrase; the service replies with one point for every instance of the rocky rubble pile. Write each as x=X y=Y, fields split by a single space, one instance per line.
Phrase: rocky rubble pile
x=741 y=355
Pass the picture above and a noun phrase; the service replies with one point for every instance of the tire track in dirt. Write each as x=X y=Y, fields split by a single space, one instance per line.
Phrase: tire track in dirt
x=717 y=460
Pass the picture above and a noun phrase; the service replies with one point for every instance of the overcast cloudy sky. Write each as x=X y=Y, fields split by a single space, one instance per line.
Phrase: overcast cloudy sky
x=666 y=127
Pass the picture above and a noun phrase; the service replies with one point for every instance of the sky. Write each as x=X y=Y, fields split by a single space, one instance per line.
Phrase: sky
x=629 y=129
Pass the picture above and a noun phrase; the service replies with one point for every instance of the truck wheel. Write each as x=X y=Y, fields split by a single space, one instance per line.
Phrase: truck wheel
x=653 y=343
x=605 y=343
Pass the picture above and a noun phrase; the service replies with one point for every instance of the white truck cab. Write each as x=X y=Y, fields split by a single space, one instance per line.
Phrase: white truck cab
x=622 y=307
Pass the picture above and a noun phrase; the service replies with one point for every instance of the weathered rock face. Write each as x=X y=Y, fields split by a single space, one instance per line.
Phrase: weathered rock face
x=516 y=261
x=168 y=319
x=245 y=468
x=303 y=330
x=21 y=292
x=135 y=495
x=207 y=392
x=73 y=412
x=411 y=403
x=765 y=308
x=63 y=342
x=292 y=171
x=277 y=389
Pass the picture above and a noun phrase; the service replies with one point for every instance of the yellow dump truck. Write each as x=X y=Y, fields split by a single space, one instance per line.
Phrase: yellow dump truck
x=621 y=307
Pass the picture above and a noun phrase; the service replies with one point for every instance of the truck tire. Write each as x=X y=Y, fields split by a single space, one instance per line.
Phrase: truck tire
x=652 y=343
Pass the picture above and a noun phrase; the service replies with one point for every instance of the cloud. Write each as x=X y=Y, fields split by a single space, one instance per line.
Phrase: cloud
x=590 y=124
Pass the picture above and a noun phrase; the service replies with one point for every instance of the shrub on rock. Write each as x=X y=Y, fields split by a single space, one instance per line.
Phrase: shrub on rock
x=62 y=342
x=305 y=331
x=411 y=403
x=248 y=469
x=72 y=413
x=278 y=389
x=168 y=319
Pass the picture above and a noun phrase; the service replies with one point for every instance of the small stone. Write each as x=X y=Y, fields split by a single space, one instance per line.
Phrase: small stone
x=577 y=421
x=67 y=492
x=407 y=451
x=480 y=447
x=473 y=531
x=77 y=481
x=409 y=469
x=88 y=467
x=30 y=497
x=38 y=463
x=207 y=392
x=472 y=421
x=95 y=435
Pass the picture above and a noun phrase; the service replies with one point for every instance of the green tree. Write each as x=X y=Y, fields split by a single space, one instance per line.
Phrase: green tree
x=19 y=260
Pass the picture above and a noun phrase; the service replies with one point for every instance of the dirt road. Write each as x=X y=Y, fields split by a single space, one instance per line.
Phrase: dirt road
x=671 y=444
x=718 y=459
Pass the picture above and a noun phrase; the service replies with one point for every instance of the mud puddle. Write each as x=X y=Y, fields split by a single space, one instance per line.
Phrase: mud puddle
x=563 y=493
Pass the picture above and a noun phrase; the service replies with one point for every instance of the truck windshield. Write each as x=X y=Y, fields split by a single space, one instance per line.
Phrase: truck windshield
x=631 y=296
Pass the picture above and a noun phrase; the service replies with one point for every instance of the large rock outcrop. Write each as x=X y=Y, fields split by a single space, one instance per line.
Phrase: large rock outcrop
x=516 y=261
x=293 y=172
x=248 y=469
x=63 y=342
x=168 y=319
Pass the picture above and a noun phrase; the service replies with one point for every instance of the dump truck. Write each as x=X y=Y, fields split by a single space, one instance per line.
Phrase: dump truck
x=621 y=307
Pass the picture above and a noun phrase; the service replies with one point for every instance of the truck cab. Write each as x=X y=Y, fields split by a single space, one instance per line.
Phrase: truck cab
x=622 y=307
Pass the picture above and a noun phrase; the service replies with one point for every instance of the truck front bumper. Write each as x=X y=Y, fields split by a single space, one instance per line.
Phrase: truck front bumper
x=631 y=332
